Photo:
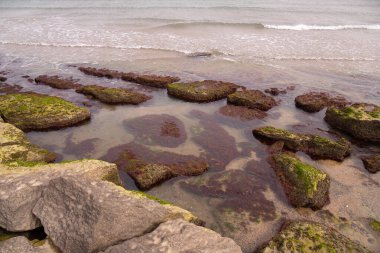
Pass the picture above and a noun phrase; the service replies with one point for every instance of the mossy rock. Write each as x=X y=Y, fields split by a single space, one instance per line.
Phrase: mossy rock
x=149 y=80
x=57 y=82
x=310 y=237
x=362 y=121
x=113 y=95
x=304 y=185
x=316 y=101
x=253 y=99
x=375 y=225
x=372 y=163
x=103 y=72
x=315 y=146
x=204 y=91
x=31 y=111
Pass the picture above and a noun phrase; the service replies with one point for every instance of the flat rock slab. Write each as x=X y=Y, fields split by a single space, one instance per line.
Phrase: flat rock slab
x=9 y=89
x=315 y=146
x=372 y=163
x=150 y=80
x=242 y=113
x=304 y=185
x=253 y=99
x=178 y=236
x=362 y=121
x=316 y=101
x=31 y=111
x=311 y=237
x=103 y=72
x=82 y=215
x=21 y=187
x=57 y=82
x=203 y=91
x=21 y=244
x=113 y=95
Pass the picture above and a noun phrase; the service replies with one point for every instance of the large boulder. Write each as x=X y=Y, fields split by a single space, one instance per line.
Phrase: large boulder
x=57 y=82
x=31 y=111
x=180 y=237
x=362 y=121
x=310 y=237
x=304 y=185
x=316 y=101
x=15 y=148
x=21 y=244
x=82 y=215
x=253 y=99
x=372 y=163
x=21 y=187
x=203 y=91
x=315 y=146
x=113 y=95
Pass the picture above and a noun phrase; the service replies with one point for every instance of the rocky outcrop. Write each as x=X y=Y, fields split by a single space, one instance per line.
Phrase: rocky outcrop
x=57 y=82
x=107 y=73
x=316 y=101
x=149 y=80
x=31 y=111
x=113 y=95
x=308 y=237
x=15 y=148
x=203 y=91
x=315 y=146
x=242 y=113
x=275 y=91
x=253 y=99
x=21 y=244
x=180 y=237
x=372 y=163
x=21 y=187
x=362 y=121
x=304 y=185
x=9 y=89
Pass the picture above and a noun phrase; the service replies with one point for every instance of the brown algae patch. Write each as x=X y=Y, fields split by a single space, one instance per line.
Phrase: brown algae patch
x=242 y=113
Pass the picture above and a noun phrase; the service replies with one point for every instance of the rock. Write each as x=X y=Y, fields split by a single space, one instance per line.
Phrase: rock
x=15 y=148
x=304 y=185
x=375 y=225
x=9 y=89
x=157 y=129
x=21 y=187
x=113 y=95
x=178 y=236
x=310 y=237
x=110 y=74
x=21 y=244
x=31 y=111
x=57 y=82
x=203 y=91
x=316 y=101
x=3 y=78
x=315 y=146
x=253 y=99
x=275 y=91
x=149 y=80
x=200 y=54
x=372 y=163
x=243 y=113
x=82 y=215
x=359 y=120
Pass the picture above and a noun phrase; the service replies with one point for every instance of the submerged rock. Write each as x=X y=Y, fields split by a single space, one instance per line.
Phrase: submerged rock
x=315 y=146
x=178 y=236
x=149 y=80
x=362 y=121
x=110 y=74
x=57 y=82
x=200 y=54
x=9 y=89
x=31 y=111
x=372 y=163
x=243 y=113
x=113 y=95
x=253 y=99
x=203 y=91
x=304 y=185
x=375 y=225
x=3 y=78
x=21 y=244
x=15 y=148
x=275 y=91
x=310 y=237
x=316 y=101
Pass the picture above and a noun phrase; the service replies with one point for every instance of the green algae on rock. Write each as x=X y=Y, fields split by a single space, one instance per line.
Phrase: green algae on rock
x=113 y=95
x=372 y=163
x=315 y=146
x=57 y=82
x=31 y=111
x=202 y=91
x=253 y=99
x=310 y=237
x=149 y=80
x=304 y=185
x=375 y=225
x=362 y=121
x=316 y=101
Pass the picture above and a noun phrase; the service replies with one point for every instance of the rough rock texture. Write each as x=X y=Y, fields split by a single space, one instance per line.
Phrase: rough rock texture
x=3 y=78
x=304 y=185
x=359 y=120
x=9 y=89
x=21 y=187
x=21 y=244
x=113 y=95
x=57 y=82
x=178 y=236
x=110 y=74
x=253 y=99
x=30 y=111
x=372 y=163
x=82 y=215
x=157 y=129
x=243 y=113
x=315 y=146
x=316 y=101
x=15 y=148
x=150 y=80
x=204 y=91
x=275 y=91
x=310 y=237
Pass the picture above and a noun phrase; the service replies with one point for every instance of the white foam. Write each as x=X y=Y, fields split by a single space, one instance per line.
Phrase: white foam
x=303 y=27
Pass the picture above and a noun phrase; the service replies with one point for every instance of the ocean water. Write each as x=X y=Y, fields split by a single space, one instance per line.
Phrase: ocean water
x=331 y=46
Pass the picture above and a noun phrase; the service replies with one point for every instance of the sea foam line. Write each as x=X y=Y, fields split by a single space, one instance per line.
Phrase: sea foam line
x=303 y=27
